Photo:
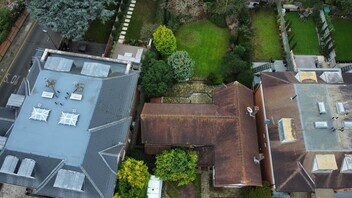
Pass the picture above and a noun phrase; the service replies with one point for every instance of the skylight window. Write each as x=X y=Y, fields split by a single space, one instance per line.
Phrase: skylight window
x=287 y=130
x=324 y=163
x=68 y=179
x=69 y=119
x=347 y=164
x=40 y=114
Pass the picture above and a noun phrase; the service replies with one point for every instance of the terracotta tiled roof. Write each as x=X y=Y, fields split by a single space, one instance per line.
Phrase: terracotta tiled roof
x=224 y=124
x=292 y=163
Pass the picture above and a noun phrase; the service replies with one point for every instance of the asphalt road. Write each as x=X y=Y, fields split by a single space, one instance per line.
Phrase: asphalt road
x=19 y=68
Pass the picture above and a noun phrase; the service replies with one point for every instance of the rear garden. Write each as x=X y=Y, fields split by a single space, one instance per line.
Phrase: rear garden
x=303 y=36
x=343 y=39
x=144 y=13
x=266 y=39
x=206 y=44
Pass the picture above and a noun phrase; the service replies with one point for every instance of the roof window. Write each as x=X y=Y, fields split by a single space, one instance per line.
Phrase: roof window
x=287 y=131
x=324 y=163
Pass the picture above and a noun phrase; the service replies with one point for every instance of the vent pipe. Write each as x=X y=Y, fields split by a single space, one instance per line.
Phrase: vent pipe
x=258 y=159
x=128 y=67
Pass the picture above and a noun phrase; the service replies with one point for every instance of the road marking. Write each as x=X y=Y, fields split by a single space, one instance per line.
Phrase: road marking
x=18 y=51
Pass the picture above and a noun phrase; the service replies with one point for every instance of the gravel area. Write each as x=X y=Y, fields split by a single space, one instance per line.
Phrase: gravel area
x=11 y=191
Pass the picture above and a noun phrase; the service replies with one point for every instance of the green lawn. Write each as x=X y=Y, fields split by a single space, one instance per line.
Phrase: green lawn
x=343 y=39
x=144 y=12
x=304 y=35
x=206 y=44
x=98 y=31
x=266 y=37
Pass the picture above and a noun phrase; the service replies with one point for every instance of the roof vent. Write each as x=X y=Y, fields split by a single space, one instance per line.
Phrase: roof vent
x=47 y=94
x=259 y=158
x=253 y=111
x=340 y=108
x=321 y=125
x=75 y=96
x=321 y=107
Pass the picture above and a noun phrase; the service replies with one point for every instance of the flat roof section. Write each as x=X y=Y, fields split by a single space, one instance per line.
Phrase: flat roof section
x=332 y=137
x=67 y=140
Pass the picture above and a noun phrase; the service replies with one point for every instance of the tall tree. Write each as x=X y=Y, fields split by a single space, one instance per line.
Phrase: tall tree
x=177 y=165
x=156 y=79
x=164 y=40
x=69 y=17
x=181 y=65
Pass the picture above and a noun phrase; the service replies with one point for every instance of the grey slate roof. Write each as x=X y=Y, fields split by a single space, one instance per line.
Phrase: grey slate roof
x=90 y=150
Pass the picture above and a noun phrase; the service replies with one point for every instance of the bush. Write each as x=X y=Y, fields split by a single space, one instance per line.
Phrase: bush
x=164 y=40
x=147 y=31
x=177 y=165
x=173 y=22
x=218 y=20
x=181 y=65
x=214 y=79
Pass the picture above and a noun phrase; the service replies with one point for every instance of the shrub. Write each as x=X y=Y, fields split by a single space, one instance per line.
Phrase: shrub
x=218 y=20
x=164 y=40
x=214 y=79
x=181 y=65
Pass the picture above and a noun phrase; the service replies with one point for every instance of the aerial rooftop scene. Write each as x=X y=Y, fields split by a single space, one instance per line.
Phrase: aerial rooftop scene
x=176 y=99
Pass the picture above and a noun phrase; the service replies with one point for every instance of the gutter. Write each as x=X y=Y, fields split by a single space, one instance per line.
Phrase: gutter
x=267 y=135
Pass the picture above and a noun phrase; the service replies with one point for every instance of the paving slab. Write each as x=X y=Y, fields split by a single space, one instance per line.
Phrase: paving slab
x=125 y=24
x=129 y=13
x=128 y=16
x=131 y=9
x=127 y=21
x=124 y=28
x=123 y=33
x=132 y=5
x=120 y=41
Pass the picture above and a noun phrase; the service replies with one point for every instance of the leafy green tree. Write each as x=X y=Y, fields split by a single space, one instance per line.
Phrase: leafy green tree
x=164 y=40
x=69 y=17
x=214 y=79
x=345 y=5
x=4 y=23
x=156 y=79
x=133 y=177
x=181 y=65
x=177 y=165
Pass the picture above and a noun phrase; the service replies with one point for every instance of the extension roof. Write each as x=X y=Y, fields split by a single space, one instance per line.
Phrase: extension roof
x=224 y=124
x=73 y=126
x=286 y=97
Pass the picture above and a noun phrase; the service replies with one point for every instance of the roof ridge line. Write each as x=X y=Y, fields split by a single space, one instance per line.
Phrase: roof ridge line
x=91 y=181
x=106 y=163
x=186 y=116
x=119 y=143
x=280 y=79
x=107 y=125
x=240 y=132
x=47 y=179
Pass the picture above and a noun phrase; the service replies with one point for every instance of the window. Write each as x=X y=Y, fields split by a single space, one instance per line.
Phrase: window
x=324 y=163
x=287 y=130
x=347 y=164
